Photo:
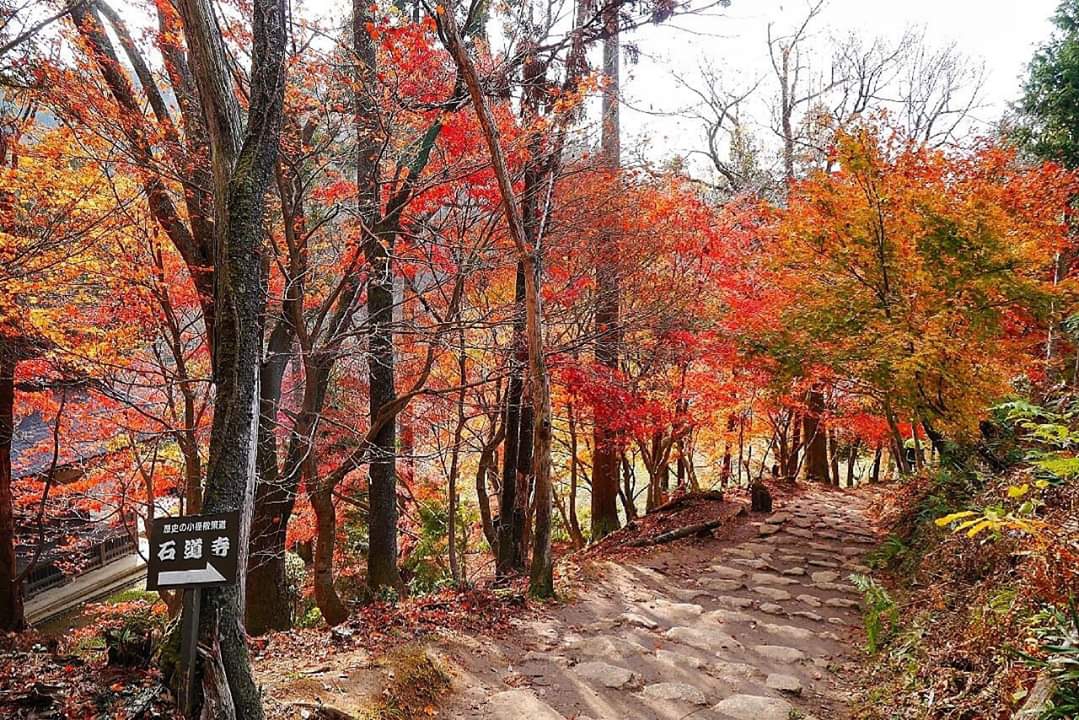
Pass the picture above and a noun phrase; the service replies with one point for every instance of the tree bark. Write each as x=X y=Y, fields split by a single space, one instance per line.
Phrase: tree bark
x=507 y=538
x=11 y=604
x=816 y=438
x=833 y=459
x=378 y=246
x=329 y=603
x=541 y=582
x=239 y=300
x=605 y=443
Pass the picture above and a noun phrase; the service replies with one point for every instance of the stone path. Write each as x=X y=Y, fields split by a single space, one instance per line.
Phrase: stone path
x=755 y=627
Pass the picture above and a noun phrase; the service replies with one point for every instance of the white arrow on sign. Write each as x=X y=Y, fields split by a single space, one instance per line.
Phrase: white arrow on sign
x=208 y=574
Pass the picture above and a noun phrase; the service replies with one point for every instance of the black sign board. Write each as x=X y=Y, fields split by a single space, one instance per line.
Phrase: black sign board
x=193 y=551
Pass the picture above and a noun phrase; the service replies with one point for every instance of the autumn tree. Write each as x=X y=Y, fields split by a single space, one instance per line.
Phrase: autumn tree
x=921 y=278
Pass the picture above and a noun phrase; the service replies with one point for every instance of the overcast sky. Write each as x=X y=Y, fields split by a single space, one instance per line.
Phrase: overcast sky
x=1001 y=33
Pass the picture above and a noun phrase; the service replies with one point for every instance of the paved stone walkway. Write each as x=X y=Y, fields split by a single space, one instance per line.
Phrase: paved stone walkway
x=756 y=627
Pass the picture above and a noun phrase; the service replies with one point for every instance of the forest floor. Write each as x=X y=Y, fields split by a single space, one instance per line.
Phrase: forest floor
x=756 y=621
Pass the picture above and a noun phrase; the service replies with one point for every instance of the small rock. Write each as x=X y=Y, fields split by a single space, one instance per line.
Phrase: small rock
x=727 y=573
x=730 y=671
x=807 y=615
x=722 y=585
x=606 y=675
x=780 y=653
x=800 y=532
x=675 y=692
x=772 y=609
x=514 y=704
x=638 y=620
x=678 y=659
x=703 y=638
x=810 y=600
x=824 y=576
x=727 y=616
x=603 y=646
x=795 y=571
x=841 y=603
x=735 y=602
x=784 y=683
x=755 y=563
x=754 y=707
x=819 y=562
x=688 y=595
x=770 y=579
x=789 y=632
x=772 y=593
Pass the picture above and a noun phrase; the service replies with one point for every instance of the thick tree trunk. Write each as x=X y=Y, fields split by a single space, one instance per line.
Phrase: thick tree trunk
x=605 y=443
x=522 y=529
x=485 y=466
x=239 y=300
x=793 y=463
x=378 y=245
x=816 y=438
x=382 y=484
x=11 y=605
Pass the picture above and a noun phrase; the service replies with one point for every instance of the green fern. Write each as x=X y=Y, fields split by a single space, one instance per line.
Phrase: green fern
x=879 y=612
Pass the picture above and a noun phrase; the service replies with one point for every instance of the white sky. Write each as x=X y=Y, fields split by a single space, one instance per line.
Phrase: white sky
x=1001 y=33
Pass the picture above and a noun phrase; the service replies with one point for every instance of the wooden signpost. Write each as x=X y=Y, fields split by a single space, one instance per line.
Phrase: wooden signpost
x=190 y=553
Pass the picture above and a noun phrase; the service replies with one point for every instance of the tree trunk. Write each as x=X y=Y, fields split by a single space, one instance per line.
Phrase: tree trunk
x=852 y=459
x=485 y=466
x=629 y=505
x=571 y=510
x=795 y=448
x=508 y=540
x=378 y=244
x=522 y=535
x=329 y=603
x=542 y=576
x=606 y=453
x=11 y=605
x=874 y=476
x=239 y=302
x=816 y=439
x=455 y=452
x=268 y=605
x=833 y=452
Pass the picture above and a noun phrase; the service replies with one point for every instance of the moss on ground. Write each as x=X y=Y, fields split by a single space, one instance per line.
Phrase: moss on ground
x=416 y=682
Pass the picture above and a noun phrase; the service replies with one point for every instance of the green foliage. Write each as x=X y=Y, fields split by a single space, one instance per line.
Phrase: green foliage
x=1049 y=109
x=880 y=614
x=1057 y=633
x=428 y=561
x=1052 y=457
x=311 y=618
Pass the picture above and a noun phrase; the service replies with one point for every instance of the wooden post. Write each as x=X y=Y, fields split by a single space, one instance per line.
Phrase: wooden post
x=189 y=649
